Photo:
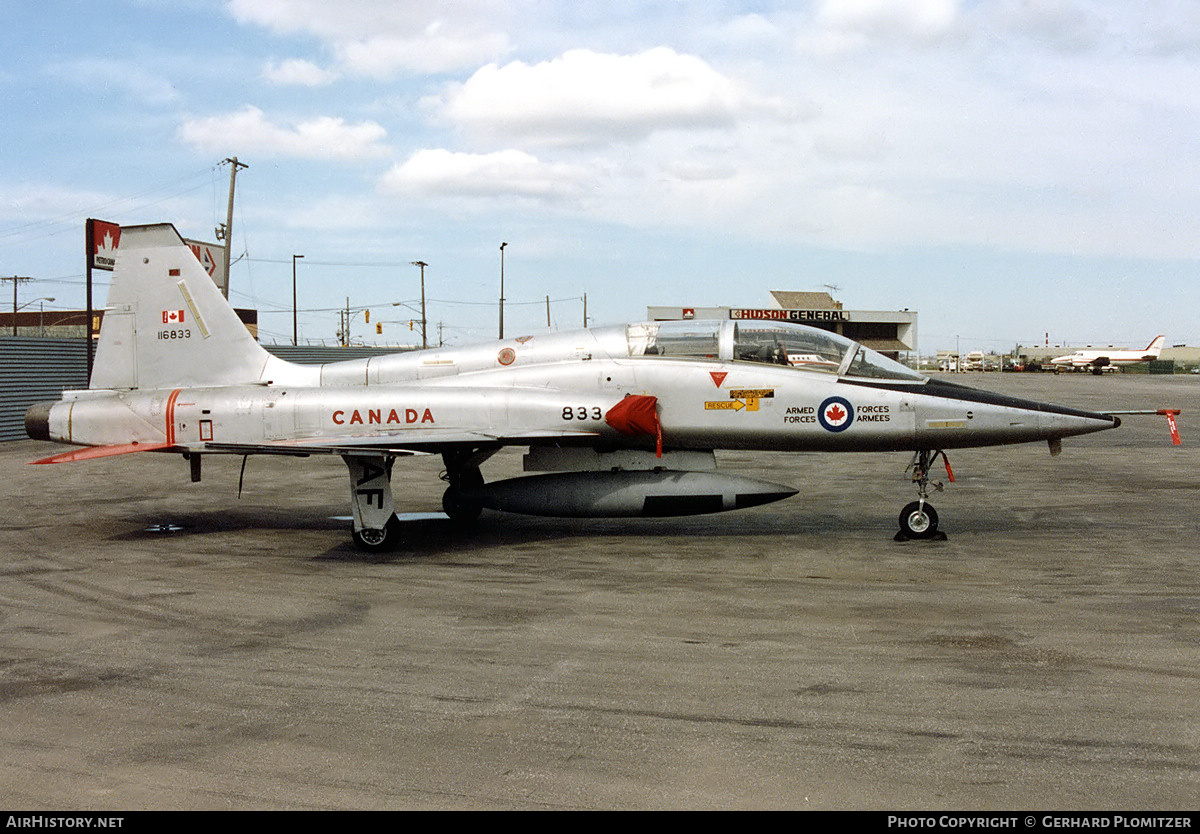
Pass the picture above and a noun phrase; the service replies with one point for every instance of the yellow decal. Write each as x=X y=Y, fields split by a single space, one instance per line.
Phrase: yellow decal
x=946 y=424
x=747 y=398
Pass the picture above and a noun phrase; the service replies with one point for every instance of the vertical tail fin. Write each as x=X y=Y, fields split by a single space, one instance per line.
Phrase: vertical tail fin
x=1156 y=346
x=166 y=325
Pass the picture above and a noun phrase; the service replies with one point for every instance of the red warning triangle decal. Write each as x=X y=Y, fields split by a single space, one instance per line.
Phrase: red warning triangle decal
x=718 y=377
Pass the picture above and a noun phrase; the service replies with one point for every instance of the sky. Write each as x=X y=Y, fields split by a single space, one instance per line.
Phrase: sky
x=1017 y=171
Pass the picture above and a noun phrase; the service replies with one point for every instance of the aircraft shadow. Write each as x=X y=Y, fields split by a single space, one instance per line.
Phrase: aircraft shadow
x=433 y=535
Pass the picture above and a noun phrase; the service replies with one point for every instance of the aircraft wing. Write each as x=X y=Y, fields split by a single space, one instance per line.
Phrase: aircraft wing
x=411 y=442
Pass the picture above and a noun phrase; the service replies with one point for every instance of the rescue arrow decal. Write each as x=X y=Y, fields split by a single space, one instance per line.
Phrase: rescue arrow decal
x=740 y=398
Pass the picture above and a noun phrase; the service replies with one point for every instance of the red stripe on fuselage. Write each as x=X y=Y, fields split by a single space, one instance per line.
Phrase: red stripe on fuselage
x=171 y=415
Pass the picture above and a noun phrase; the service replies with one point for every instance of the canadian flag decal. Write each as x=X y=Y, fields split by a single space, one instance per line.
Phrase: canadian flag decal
x=172 y=316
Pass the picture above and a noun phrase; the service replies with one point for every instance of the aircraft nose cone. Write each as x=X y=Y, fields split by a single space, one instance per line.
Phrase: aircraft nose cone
x=1016 y=420
x=1064 y=422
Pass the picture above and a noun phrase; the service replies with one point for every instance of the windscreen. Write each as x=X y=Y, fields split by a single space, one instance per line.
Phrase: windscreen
x=772 y=343
x=813 y=349
x=871 y=365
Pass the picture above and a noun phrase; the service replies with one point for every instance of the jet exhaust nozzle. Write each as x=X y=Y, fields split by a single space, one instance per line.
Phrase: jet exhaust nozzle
x=37 y=421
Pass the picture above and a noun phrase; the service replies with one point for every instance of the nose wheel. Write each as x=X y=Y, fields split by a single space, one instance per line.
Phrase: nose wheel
x=919 y=520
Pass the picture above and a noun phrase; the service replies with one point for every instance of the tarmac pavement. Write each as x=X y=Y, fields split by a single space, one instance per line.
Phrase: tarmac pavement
x=169 y=645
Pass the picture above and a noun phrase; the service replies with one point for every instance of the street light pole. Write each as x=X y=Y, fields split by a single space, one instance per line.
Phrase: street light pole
x=41 y=316
x=294 y=328
x=502 y=245
x=424 y=340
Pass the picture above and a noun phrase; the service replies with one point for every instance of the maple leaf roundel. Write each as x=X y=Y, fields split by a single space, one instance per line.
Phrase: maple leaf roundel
x=835 y=414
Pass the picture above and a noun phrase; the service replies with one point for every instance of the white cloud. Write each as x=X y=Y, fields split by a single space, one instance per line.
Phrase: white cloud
x=325 y=137
x=846 y=24
x=503 y=173
x=921 y=18
x=1059 y=24
x=585 y=97
x=380 y=38
x=384 y=56
x=296 y=72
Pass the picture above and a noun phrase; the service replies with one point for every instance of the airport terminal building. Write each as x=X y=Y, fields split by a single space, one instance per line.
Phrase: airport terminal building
x=892 y=333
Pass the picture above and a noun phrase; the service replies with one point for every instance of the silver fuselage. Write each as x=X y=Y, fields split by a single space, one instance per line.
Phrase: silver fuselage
x=565 y=383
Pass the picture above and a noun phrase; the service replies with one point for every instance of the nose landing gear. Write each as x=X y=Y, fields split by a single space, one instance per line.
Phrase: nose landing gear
x=919 y=520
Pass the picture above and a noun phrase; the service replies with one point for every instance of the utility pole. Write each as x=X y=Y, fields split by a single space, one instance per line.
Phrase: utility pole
x=424 y=340
x=585 y=311
x=294 y=329
x=226 y=232
x=502 y=245
x=16 y=279
x=547 y=314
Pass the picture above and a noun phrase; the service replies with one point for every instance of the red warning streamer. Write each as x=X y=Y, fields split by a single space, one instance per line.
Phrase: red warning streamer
x=1170 y=414
x=949 y=471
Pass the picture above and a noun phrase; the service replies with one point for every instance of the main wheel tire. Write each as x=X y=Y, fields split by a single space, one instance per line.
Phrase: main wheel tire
x=459 y=507
x=455 y=501
x=919 y=522
x=378 y=541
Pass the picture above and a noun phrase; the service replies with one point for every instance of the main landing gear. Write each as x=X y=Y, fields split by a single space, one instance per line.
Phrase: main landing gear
x=376 y=528
x=919 y=520
x=463 y=475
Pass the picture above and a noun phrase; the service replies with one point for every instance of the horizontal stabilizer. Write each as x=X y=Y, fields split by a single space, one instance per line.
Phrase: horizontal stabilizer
x=90 y=452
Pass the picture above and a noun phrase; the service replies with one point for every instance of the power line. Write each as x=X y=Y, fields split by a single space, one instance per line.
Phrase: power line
x=48 y=223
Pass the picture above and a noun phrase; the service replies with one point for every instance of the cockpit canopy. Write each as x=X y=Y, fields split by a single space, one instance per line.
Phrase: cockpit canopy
x=772 y=343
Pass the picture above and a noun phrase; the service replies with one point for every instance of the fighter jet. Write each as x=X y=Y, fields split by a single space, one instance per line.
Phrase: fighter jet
x=1097 y=359
x=618 y=421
